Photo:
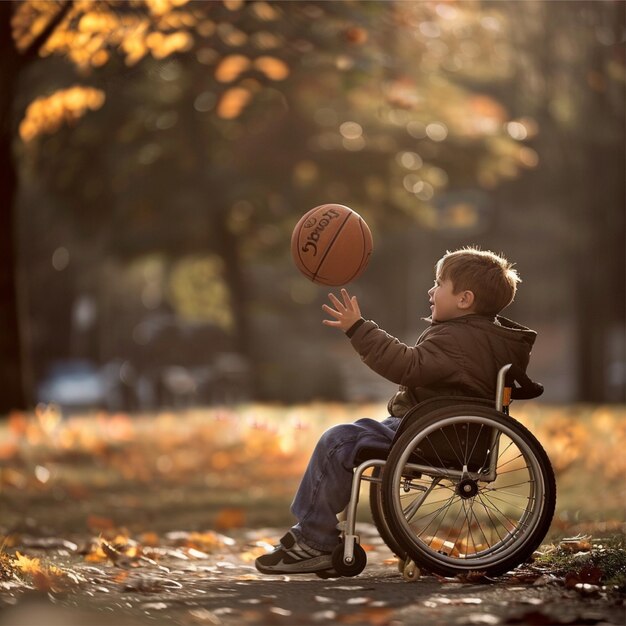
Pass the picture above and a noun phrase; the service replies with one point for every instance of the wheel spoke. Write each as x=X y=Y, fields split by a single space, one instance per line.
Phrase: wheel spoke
x=487 y=543
x=461 y=461
x=520 y=455
x=495 y=507
x=530 y=481
x=505 y=449
x=475 y=441
x=431 y=502
x=478 y=519
x=494 y=525
x=521 y=508
x=517 y=469
x=450 y=528
x=469 y=527
x=435 y=513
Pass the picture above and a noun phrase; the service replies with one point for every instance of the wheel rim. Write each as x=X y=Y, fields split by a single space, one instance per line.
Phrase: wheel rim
x=463 y=521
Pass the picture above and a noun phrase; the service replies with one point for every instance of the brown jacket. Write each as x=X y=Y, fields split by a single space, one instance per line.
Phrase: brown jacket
x=460 y=356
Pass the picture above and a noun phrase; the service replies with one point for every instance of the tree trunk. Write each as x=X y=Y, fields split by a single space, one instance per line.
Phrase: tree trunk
x=582 y=173
x=12 y=394
x=599 y=186
x=227 y=247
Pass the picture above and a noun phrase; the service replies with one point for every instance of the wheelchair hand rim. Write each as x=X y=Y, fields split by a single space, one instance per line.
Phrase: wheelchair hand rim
x=526 y=525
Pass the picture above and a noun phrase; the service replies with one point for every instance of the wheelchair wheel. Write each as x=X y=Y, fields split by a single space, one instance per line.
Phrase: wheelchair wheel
x=379 y=519
x=468 y=488
x=358 y=564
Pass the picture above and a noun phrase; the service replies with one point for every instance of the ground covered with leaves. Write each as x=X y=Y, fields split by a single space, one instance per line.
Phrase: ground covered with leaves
x=113 y=519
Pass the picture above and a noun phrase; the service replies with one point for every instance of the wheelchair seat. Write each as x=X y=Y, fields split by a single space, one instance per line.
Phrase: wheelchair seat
x=381 y=452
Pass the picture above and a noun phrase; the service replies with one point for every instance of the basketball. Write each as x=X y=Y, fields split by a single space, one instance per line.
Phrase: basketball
x=331 y=245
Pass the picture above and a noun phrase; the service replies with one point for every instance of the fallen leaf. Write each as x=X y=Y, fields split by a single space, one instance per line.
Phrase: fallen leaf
x=522 y=578
x=26 y=564
x=576 y=544
x=591 y=575
x=473 y=577
x=374 y=616
x=45 y=576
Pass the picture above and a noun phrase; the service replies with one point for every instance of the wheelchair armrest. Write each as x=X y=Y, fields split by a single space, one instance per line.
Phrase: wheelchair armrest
x=522 y=387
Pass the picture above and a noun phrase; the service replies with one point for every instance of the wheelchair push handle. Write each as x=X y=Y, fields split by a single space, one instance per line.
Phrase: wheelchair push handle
x=514 y=384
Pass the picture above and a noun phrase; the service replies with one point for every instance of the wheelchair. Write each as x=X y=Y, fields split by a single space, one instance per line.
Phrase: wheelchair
x=463 y=488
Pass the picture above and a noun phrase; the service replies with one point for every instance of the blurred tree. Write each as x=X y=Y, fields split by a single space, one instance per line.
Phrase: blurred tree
x=568 y=76
x=12 y=63
x=294 y=76
x=265 y=110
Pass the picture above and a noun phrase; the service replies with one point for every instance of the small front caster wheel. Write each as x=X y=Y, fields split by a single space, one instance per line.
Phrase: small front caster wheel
x=355 y=567
x=411 y=572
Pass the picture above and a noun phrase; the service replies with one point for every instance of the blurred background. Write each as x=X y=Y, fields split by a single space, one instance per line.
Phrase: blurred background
x=155 y=156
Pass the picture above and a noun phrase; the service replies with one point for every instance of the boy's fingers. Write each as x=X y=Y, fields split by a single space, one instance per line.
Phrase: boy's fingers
x=330 y=323
x=330 y=311
x=346 y=298
x=335 y=301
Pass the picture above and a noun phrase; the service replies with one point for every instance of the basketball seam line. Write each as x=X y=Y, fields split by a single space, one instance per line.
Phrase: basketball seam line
x=302 y=219
x=330 y=245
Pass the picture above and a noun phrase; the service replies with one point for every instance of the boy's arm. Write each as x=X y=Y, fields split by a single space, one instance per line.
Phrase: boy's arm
x=434 y=360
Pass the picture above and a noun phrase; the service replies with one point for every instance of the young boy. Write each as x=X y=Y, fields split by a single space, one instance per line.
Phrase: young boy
x=460 y=353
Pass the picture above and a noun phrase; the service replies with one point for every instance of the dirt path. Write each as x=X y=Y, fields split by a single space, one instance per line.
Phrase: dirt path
x=183 y=586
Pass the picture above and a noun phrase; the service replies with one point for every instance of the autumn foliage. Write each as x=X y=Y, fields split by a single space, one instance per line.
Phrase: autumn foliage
x=255 y=453
x=154 y=508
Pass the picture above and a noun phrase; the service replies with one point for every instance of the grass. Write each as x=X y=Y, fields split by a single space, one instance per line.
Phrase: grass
x=586 y=560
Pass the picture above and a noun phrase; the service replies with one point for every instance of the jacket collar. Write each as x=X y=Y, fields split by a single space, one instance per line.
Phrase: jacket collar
x=464 y=319
x=498 y=324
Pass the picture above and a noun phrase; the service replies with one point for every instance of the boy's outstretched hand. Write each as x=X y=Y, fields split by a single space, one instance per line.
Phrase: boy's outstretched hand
x=346 y=313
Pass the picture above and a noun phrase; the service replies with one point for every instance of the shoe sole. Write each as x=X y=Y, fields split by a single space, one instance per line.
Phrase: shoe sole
x=310 y=566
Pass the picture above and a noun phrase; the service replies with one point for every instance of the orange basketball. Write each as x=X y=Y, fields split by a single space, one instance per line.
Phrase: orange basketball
x=331 y=245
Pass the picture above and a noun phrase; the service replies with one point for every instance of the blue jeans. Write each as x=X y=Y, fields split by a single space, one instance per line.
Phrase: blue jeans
x=325 y=488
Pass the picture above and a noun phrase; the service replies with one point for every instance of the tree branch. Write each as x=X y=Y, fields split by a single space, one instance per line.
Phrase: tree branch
x=31 y=53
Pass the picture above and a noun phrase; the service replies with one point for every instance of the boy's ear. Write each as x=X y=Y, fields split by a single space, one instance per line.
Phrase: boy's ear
x=466 y=299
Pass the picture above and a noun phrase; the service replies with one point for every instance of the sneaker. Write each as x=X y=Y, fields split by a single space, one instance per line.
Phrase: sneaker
x=291 y=556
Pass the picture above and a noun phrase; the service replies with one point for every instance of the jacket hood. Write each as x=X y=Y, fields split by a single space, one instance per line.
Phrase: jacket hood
x=499 y=325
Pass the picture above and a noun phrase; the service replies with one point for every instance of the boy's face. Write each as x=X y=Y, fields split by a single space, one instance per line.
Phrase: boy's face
x=444 y=303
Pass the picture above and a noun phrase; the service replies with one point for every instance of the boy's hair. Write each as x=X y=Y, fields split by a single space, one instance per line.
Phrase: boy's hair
x=489 y=276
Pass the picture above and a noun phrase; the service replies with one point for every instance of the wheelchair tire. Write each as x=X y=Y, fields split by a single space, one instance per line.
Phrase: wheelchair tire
x=379 y=519
x=349 y=569
x=449 y=511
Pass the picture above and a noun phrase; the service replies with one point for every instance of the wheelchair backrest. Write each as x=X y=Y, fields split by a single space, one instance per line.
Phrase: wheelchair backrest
x=443 y=446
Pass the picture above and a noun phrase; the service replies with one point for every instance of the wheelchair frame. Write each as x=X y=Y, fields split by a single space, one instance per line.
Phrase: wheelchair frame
x=350 y=540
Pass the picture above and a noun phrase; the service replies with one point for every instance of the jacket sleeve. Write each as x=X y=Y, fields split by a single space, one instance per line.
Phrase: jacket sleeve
x=435 y=359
